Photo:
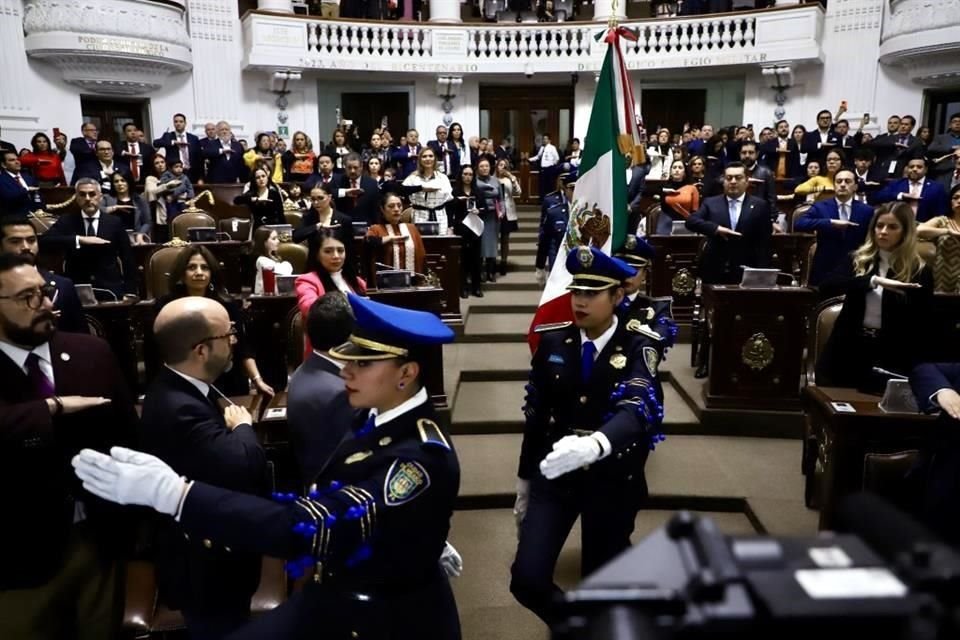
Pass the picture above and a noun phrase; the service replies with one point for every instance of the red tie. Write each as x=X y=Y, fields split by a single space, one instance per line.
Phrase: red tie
x=134 y=166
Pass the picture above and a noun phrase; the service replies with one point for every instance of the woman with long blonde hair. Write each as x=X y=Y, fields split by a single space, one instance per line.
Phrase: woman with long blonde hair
x=887 y=289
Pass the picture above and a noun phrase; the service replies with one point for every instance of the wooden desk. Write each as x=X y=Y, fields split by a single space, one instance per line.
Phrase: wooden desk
x=844 y=439
x=675 y=271
x=757 y=338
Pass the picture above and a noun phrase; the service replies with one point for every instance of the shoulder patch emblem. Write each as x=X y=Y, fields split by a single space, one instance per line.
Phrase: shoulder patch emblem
x=431 y=434
x=405 y=480
x=651 y=359
x=551 y=326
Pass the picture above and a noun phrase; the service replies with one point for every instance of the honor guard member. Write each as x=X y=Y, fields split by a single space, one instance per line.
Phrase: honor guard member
x=373 y=529
x=592 y=416
x=654 y=313
x=554 y=215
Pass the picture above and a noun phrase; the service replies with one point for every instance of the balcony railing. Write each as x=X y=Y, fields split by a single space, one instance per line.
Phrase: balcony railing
x=790 y=34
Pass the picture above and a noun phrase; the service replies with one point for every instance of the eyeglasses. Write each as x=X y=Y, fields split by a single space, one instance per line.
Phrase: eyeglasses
x=33 y=300
x=230 y=334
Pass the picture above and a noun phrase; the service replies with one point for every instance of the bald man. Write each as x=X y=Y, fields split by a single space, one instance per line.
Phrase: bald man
x=184 y=426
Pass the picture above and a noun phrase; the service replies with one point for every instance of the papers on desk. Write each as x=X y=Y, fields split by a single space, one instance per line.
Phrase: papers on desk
x=758 y=278
x=277 y=413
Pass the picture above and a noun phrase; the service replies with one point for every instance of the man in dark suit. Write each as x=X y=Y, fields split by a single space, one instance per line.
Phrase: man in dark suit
x=841 y=225
x=782 y=150
x=183 y=425
x=61 y=392
x=927 y=198
x=951 y=179
x=224 y=157
x=407 y=156
x=759 y=178
x=936 y=387
x=448 y=157
x=738 y=227
x=18 y=236
x=895 y=148
x=868 y=175
x=816 y=143
x=325 y=175
x=96 y=246
x=316 y=388
x=84 y=151
x=355 y=194
x=103 y=169
x=134 y=154
x=19 y=193
x=183 y=145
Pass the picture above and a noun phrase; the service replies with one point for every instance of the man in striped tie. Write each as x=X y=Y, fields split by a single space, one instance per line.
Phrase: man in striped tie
x=61 y=392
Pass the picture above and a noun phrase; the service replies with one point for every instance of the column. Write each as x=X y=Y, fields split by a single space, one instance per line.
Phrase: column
x=217 y=54
x=280 y=6
x=444 y=11
x=603 y=10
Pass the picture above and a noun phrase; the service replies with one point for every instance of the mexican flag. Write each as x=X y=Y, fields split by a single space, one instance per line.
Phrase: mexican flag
x=598 y=213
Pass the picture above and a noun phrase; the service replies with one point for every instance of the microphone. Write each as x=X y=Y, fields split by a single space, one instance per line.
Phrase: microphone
x=890 y=374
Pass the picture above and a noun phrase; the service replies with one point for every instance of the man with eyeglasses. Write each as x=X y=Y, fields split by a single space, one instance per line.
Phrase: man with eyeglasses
x=96 y=246
x=84 y=151
x=103 y=169
x=17 y=236
x=61 y=392
x=184 y=426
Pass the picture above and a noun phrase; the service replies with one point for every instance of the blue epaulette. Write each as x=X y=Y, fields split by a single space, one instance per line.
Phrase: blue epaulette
x=431 y=435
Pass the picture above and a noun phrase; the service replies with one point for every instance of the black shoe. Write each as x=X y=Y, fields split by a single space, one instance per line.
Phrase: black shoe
x=503 y=268
x=478 y=293
x=702 y=372
x=464 y=295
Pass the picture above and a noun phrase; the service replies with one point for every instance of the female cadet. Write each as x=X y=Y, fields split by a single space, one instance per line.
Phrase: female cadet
x=592 y=416
x=375 y=526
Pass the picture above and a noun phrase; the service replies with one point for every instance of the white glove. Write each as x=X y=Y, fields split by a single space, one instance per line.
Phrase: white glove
x=523 y=499
x=569 y=453
x=130 y=477
x=541 y=277
x=451 y=562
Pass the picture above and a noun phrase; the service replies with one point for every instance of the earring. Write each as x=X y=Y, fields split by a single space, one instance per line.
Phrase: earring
x=400 y=386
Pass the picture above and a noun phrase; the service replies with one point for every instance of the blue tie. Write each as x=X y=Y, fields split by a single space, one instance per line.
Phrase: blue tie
x=586 y=361
x=368 y=426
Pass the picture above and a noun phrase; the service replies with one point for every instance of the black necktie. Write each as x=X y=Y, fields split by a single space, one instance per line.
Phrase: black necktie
x=91 y=230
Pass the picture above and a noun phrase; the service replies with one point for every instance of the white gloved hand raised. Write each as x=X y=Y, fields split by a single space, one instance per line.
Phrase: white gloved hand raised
x=450 y=561
x=130 y=477
x=523 y=499
x=569 y=453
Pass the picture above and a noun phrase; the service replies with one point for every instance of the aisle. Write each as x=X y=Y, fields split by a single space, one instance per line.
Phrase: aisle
x=742 y=482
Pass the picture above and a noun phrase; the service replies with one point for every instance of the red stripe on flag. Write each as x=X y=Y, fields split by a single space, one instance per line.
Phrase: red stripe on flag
x=557 y=310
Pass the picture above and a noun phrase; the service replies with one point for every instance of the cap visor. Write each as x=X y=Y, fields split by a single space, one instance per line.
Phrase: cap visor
x=589 y=286
x=351 y=351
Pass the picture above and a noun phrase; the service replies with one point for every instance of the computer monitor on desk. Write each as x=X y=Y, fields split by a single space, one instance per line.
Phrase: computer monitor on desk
x=758 y=278
x=202 y=234
x=428 y=228
x=394 y=279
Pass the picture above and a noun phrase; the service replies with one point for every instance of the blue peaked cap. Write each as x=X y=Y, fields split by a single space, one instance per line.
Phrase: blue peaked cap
x=383 y=331
x=593 y=270
x=636 y=251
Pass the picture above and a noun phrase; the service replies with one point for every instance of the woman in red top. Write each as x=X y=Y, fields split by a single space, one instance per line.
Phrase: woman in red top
x=330 y=267
x=43 y=162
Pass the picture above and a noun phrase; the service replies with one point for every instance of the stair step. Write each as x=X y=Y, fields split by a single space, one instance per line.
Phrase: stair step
x=508 y=324
x=506 y=302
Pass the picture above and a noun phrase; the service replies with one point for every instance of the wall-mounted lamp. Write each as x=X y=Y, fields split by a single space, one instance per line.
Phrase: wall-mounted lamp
x=779 y=78
x=447 y=89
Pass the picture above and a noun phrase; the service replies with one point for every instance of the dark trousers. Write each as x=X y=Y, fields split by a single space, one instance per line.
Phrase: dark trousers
x=213 y=625
x=607 y=513
x=470 y=262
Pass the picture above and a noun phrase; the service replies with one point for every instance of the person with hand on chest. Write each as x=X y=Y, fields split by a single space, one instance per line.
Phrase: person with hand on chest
x=375 y=522
x=592 y=416
x=62 y=392
x=19 y=193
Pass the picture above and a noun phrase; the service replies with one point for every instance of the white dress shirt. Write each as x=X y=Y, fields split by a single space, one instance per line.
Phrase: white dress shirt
x=602 y=340
x=19 y=356
x=19 y=179
x=383 y=418
x=201 y=386
x=547 y=155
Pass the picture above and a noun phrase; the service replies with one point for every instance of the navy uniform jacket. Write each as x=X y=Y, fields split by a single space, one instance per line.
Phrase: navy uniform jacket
x=14 y=199
x=71 y=318
x=619 y=400
x=376 y=525
x=187 y=431
x=554 y=215
x=834 y=244
x=657 y=316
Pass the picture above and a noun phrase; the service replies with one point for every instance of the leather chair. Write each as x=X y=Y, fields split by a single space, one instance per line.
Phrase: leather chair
x=808 y=266
x=798 y=211
x=885 y=475
x=295 y=254
x=144 y=616
x=235 y=228
x=158 y=270
x=184 y=221
x=294 y=339
x=94 y=326
x=652 y=214
x=293 y=218
x=822 y=319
